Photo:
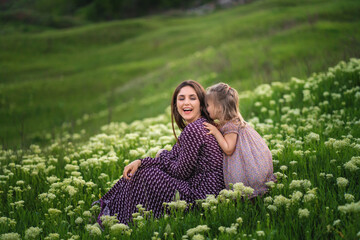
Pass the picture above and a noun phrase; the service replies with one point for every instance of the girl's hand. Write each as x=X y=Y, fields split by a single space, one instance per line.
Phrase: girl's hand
x=129 y=170
x=159 y=152
x=212 y=129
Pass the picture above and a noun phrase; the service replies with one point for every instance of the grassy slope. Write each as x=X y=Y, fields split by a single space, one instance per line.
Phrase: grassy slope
x=129 y=68
x=311 y=127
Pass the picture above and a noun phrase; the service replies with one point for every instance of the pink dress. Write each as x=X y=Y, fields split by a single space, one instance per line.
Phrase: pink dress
x=251 y=162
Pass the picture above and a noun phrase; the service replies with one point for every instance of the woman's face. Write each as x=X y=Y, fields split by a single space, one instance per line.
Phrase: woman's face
x=188 y=104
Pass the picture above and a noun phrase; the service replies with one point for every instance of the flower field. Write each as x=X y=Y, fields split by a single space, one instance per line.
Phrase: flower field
x=312 y=127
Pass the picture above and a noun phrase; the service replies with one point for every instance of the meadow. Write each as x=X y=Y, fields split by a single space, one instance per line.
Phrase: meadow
x=311 y=125
x=57 y=81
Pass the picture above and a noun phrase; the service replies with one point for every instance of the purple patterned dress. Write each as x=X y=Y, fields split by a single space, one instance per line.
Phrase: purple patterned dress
x=194 y=168
x=251 y=163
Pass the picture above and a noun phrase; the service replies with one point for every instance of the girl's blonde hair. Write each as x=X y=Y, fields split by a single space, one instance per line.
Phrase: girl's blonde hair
x=226 y=101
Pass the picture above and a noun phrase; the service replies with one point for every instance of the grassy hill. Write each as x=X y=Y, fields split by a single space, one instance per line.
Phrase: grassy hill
x=312 y=127
x=61 y=81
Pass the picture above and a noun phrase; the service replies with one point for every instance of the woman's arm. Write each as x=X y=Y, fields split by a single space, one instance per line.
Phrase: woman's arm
x=227 y=142
x=164 y=156
x=192 y=139
x=181 y=166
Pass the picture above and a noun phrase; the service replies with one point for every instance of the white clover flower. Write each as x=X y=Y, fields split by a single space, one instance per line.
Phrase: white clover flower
x=19 y=204
x=232 y=229
x=268 y=200
x=53 y=236
x=205 y=205
x=283 y=168
x=93 y=230
x=293 y=163
x=247 y=191
x=239 y=220
x=280 y=200
x=296 y=196
x=353 y=207
x=178 y=205
x=306 y=95
x=20 y=182
x=71 y=190
x=10 y=236
x=335 y=96
x=71 y=167
x=270 y=184
x=329 y=175
x=119 y=228
x=108 y=221
x=79 y=220
x=312 y=137
x=260 y=233
x=340 y=144
x=300 y=183
x=303 y=213
x=32 y=232
x=309 y=197
x=336 y=222
x=353 y=165
x=199 y=229
x=54 y=212
x=299 y=153
x=342 y=182
x=168 y=147
x=272 y=208
x=280 y=175
x=349 y=197
x=7 y=221
x=198 y=237
x=221 y=229
x=133 y=153
x=103 y=176
x=138 y=219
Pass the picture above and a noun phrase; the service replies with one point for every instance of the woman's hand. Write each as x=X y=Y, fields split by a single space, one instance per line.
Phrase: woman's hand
x=159 y=152
x=212 y=129
x=129 y=170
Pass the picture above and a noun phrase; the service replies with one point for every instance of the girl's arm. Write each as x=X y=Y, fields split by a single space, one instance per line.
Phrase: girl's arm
x=227 y=142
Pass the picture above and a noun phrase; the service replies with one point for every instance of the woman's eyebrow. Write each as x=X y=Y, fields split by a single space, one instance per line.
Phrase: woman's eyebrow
x=191 y=95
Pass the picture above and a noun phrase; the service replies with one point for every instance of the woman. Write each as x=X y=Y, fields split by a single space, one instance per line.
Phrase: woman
x=193 y=167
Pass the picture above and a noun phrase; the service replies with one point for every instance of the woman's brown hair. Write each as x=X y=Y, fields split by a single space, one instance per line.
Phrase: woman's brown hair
x=200 y=92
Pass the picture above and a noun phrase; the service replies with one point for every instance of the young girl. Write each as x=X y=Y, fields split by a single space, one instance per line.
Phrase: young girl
x=247 y=157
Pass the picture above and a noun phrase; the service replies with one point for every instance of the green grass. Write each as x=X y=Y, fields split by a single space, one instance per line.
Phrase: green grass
x=126 y=70
x=312 y=129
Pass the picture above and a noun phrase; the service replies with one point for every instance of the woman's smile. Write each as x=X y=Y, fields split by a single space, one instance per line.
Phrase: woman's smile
x=188 y=104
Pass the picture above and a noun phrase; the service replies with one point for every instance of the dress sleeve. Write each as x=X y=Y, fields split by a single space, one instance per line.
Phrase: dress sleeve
x=182 y=166
x=229 y=127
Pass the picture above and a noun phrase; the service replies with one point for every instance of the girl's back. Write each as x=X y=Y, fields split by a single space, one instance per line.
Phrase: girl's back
x=251 y=162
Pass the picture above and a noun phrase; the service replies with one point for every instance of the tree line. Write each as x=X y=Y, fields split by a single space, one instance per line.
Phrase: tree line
x=88 y=10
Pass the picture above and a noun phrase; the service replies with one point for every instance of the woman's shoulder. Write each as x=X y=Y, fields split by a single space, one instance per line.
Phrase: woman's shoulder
x=195 y=129
x=196 y=126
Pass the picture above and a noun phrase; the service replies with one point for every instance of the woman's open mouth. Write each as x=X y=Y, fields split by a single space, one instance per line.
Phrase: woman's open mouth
x=187 y=110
